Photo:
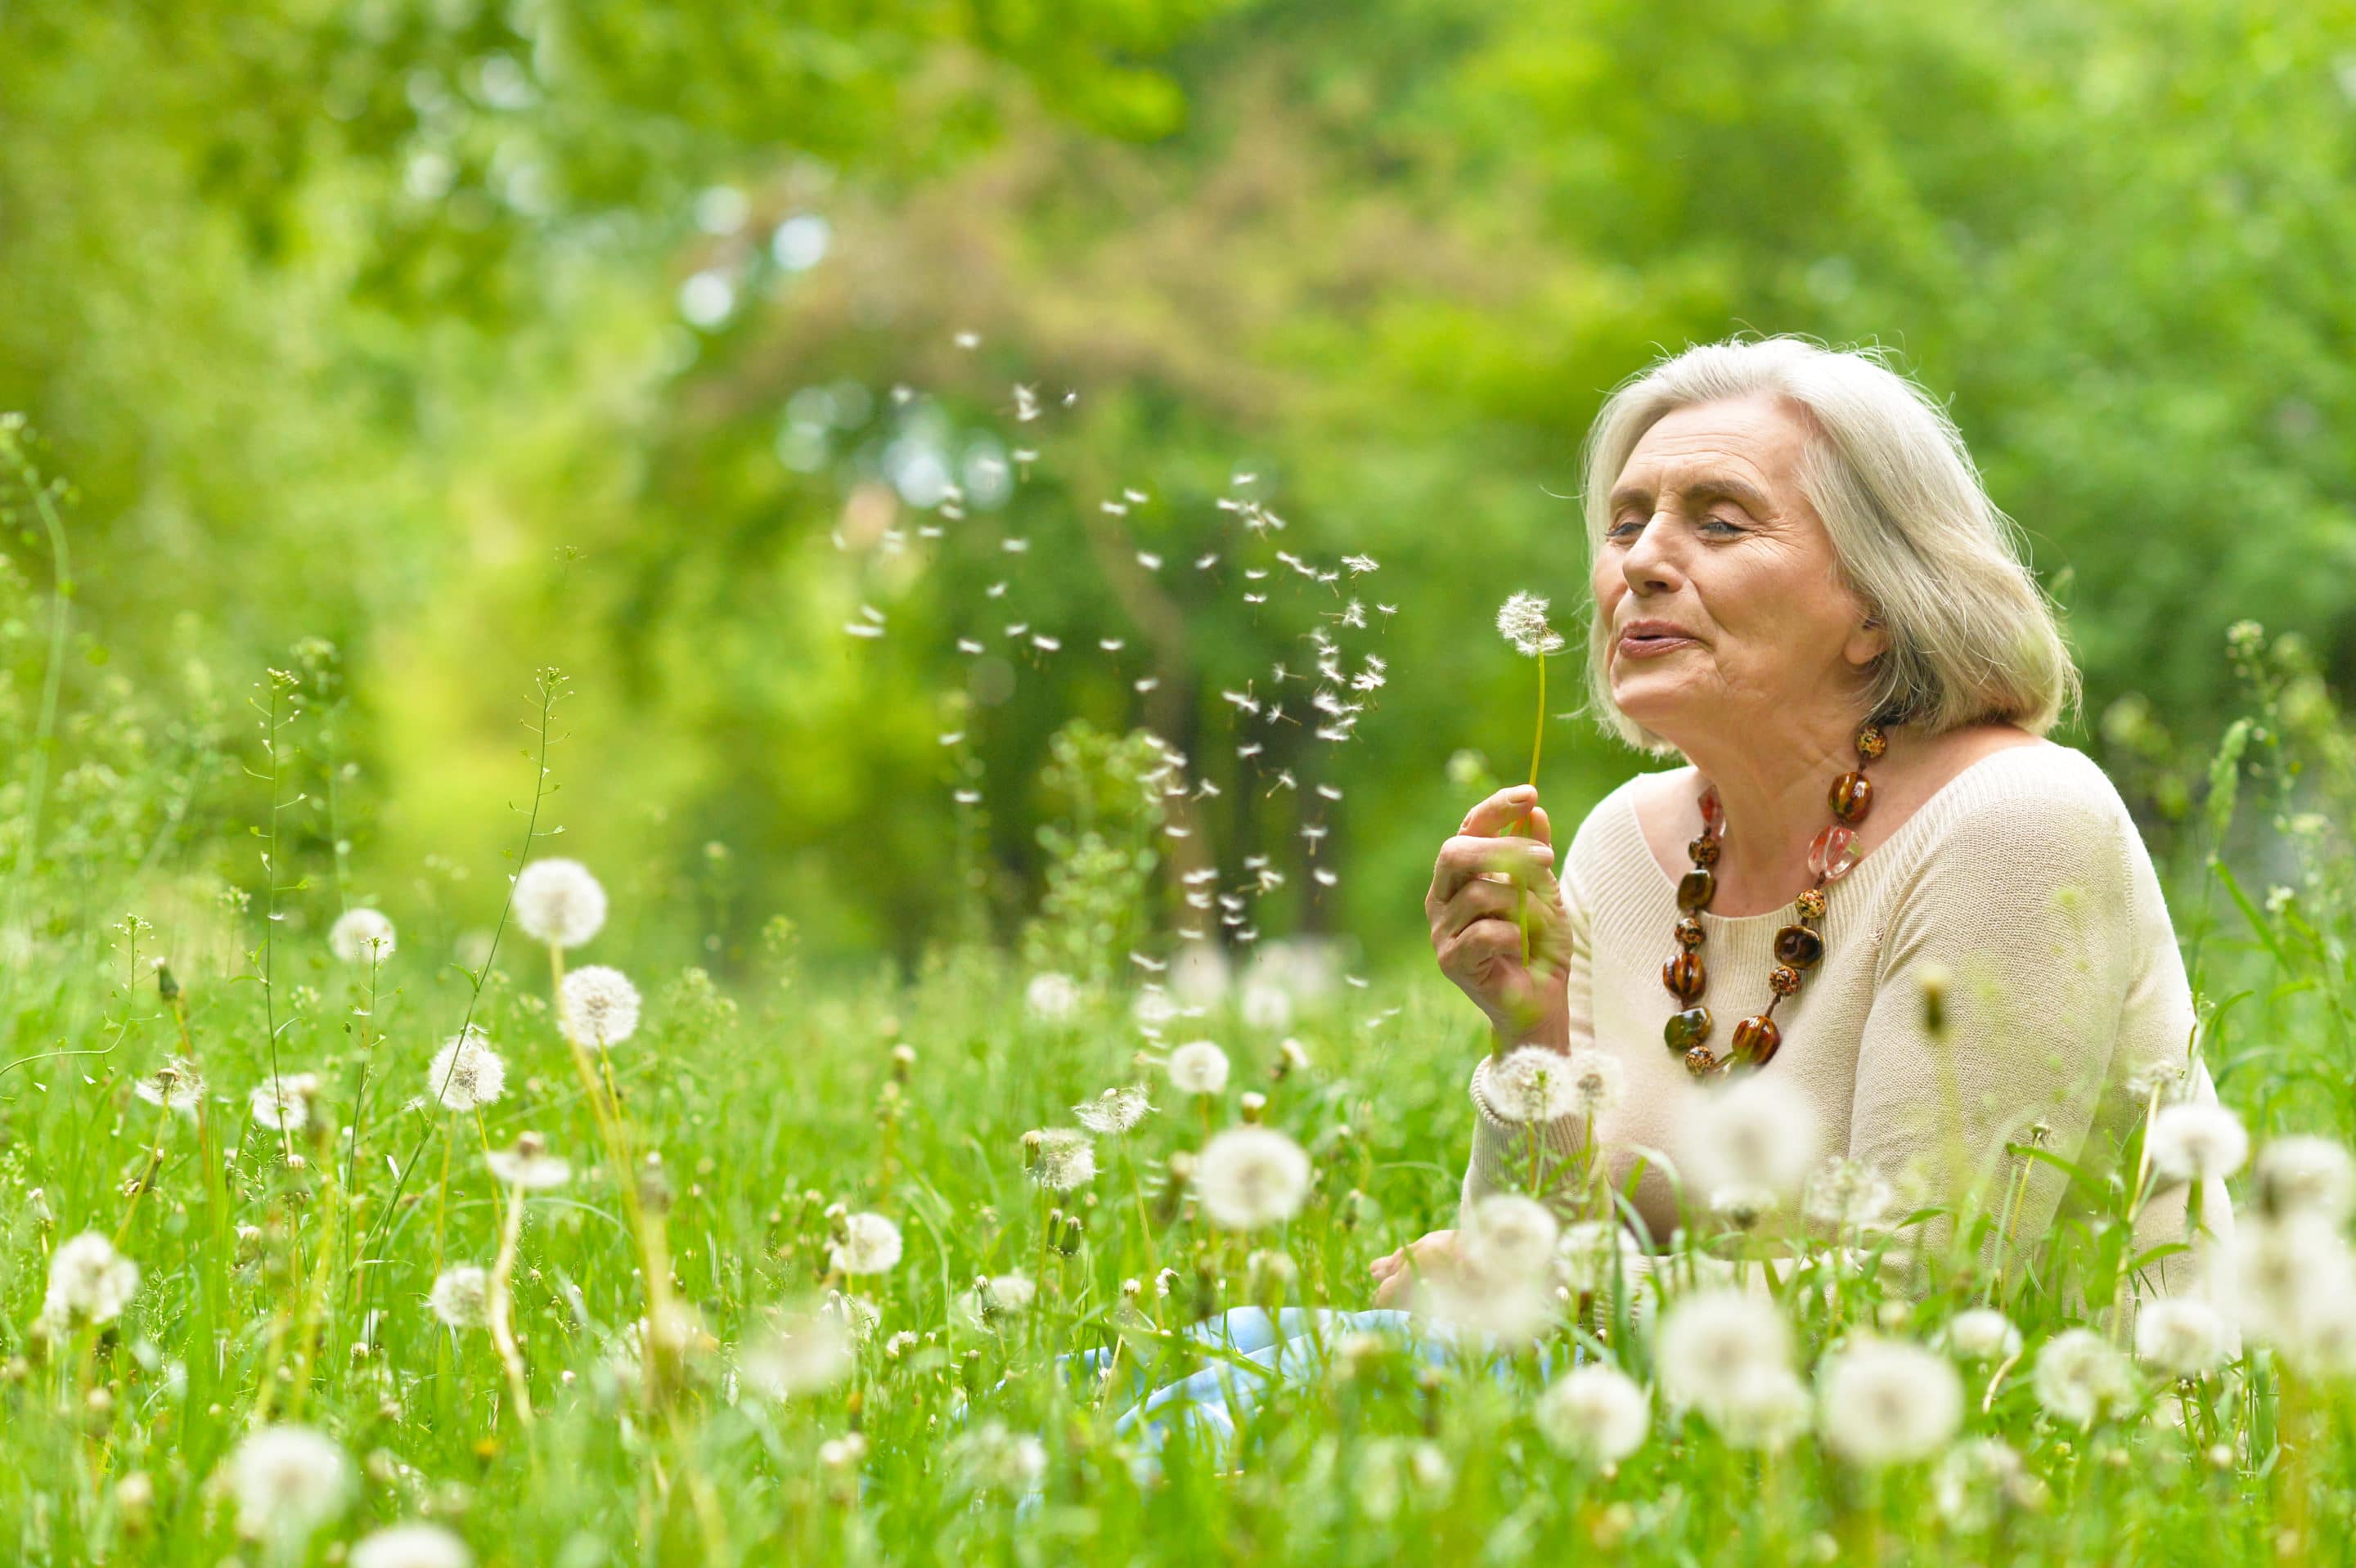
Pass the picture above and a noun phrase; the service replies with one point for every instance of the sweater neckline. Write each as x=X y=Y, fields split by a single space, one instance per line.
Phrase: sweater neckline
x=1873 y=858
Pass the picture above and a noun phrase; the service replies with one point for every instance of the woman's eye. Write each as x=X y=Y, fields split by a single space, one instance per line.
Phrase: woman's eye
x=1723 y=524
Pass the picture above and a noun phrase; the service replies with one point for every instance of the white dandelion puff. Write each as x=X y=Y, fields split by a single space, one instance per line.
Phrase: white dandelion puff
x=177 y=1085
x=1251 y=1176
x=2181 y=1337
x=1981 y=1334
x=1052 y=996
x=1760 y=1133
x=2078 y=1378
x=1848 y=1194
x=1521 y=621
x=1529 y=1084
x=288 y=1481
x=361 y=936
x=1510 y=1236
x=527 y=1166
x=1728 y=1355
x=2191 y=1141
x=465 y=1074
x=1888 y=1402
x=559 y=903
x=283 y=1103
x=2289 y=1282
x=1592 y=1253
x=598 y=1006
x=1114 y=1110
x=871 y=1244
x=1060 y=1158
x=90 y=1282
x=1198 y=1067
x=1978 y=1479
x=992 y=1459
x=802 y=1353
x=997 y=1296
x=411 y=1546
x=2304 y=1175
x=461 y=1296
x=1596 y=1414
x=1597 y=1083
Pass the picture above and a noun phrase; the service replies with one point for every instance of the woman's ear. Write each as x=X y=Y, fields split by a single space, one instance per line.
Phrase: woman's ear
x=1868 y=642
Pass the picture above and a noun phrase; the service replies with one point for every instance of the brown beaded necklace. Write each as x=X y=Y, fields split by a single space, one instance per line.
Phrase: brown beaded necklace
x=1798 y=947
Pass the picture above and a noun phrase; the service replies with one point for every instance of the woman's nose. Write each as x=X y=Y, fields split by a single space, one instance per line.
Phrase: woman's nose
x=1648 y=563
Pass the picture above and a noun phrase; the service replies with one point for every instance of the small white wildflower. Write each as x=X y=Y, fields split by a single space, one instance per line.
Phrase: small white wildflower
x=870 y=1244
x=465 y=1074
x=1521 y=621
x=1060 y=1158
x=1888 y=1402
x=2192 y=1141
x=1529 y=1084
x=559 y=903
x=1595 y=1413
x=1981 y=1334
x=2181 y=1336
x=1509 y=1237
x=361 y=936
x=1198 y=1067
x=802 y=1353
x=288 y=1481
x=1052 y=996
x=461 y=1296
x=598 y=1007
x=90 y=1282
x=1248 y=1177
x=283 y=1104
x=411 y=1546
x=1114 y=1110
x=2305 y=1174
x=176 y=1086
x=528 y=1165
x=2078 y=1378
x=1760 y=1133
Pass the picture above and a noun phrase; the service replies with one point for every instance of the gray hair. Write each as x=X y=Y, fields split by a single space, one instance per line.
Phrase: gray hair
x=1973 y=637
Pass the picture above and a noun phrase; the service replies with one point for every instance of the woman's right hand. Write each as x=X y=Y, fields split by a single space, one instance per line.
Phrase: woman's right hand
x=1482 y=884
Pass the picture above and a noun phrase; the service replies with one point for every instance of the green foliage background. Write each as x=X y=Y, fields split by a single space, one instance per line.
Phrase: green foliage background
x=364 y=322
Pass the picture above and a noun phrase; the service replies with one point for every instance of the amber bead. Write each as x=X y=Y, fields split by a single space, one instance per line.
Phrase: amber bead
x=1713 y=813
x=1695 y=889
x=1704 y=850
x=1871 y=742
x=1784 y=980
x=1700 y=1062
x=1851 y=797
x=1811 y=904
x=1685 y=977
x=1690 y=932
x=1798 y=946
x=1833 y=851
x=1686 y=1029
x=1755 y=1041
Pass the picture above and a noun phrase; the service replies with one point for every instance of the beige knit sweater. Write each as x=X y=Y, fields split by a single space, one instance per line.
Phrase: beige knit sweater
x=2023 y=878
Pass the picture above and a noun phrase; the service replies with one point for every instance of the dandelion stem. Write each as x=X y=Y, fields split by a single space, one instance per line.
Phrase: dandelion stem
x=501 y=1305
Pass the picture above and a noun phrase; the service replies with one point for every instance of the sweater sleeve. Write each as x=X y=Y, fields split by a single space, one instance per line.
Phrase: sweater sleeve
x=1500 y=1148
x=2022 y=920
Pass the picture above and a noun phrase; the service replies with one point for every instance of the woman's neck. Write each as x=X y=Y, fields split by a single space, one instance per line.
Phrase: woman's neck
x=1772 y=781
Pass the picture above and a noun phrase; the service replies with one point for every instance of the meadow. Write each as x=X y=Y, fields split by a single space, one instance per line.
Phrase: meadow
x=423 y=1234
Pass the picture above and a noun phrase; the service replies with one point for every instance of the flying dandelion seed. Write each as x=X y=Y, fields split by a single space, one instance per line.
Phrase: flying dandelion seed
x=967 y=340
x=461 y=1297
x=465 y=1074
x=1248 y=1177
x=558 y=904
x=967 y=646
x=361 y=936
x=288 y=1481
x=870 y=1244
x=599 y=1007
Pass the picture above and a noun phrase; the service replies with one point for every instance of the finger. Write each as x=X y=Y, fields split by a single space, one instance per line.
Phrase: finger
x=1493 y=815
x=1391 y=1289
x=1537 y=901
x=1467 y=857
x=1540 y=829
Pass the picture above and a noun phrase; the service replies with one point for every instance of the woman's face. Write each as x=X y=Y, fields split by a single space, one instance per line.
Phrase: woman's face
x=1709 y=534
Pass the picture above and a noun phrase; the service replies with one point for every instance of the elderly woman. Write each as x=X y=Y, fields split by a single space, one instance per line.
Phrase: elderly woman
x=1801 y=587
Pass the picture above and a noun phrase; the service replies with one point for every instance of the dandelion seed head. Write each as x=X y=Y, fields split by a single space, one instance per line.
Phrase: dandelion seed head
x=527 y=1164
x=1052 y=996
x=1884 y=1402
x=1592 y=1253
x=992 y=1459
x=2181 y=1337
x=1529 y=1084
x=177 y=1085
x=2192 y=1141
x=871 y=1244
x=461 y=1296
x=2078 y=1378
x=1713 y=1344
x=997 y=1296
x=1978 y=1479
x=1510 y=1237
x=361 y=936
x=283 y=1105
x=1114 y=1110
x=1595 y=1414
x=1981 y=1334
x=1061 y=1158
x=2304 y=1175
x=465 y=1074
x=1248 y=1177
x=558 y=904
x=598 y=1006
x=288 y=1481
x=1760 y=1133
x=1848 y=1194
x=411 y=1546
x=1198 y=1067
x=1521 y=621
x=90 y=1282
x=800 y=1352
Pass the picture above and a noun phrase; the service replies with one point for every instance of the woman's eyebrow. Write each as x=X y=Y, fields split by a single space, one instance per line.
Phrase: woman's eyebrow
x=1717 y=488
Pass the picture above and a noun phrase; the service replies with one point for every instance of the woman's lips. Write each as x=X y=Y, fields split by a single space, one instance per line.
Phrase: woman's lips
x=1643 y=647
